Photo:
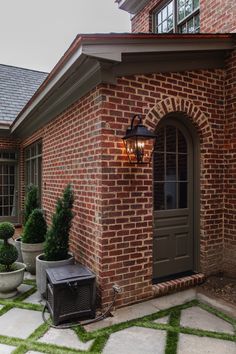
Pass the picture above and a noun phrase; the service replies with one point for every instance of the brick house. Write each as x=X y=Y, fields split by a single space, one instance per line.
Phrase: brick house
x=135 y=225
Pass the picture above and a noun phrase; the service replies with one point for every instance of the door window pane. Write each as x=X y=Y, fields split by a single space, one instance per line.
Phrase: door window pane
x=159 y=145
x=170 y=139
x=159 y=167
x=182 y=167
x=170 y=167
x=170 y=170
x=170 y=195
x=159 y=196
x=183 y=195
x=182 y=144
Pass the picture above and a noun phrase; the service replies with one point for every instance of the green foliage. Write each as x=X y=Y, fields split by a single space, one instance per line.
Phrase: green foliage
x=6 y=230
x=57 y=238
x=8 y=255
x=31 y=201
x=8 y=252
x=35 y=228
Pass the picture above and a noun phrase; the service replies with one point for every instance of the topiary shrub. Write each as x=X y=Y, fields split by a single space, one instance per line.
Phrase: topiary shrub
x=8 y=252
x=57 y=238
x=31 y=201
x=35 y=228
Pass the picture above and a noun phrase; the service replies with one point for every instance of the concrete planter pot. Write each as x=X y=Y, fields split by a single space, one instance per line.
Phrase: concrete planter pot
x=17 y=243
x=29 y=253
x=9 y=281
x=42 y=265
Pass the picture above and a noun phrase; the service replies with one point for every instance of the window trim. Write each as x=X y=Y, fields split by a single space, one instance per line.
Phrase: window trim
x=14 y=219
x=176 y=24
x=33 y=158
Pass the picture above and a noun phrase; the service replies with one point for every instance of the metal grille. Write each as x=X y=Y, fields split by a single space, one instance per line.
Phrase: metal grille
x=75 y=300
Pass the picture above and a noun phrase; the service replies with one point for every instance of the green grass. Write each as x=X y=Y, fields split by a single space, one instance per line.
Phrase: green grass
x=100 y=337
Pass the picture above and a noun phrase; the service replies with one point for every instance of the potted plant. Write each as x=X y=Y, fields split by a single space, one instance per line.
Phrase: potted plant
x=33 y=238
x=31 y=203
x=11 y=272
x=56 y=247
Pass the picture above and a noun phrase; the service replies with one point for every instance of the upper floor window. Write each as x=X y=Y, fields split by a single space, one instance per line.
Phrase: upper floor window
x=179 y=16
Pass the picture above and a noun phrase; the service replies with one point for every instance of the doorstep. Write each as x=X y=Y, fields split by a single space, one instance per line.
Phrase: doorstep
x=178 y=284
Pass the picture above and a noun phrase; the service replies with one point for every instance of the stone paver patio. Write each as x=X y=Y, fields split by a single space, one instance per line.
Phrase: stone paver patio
x=172 y=324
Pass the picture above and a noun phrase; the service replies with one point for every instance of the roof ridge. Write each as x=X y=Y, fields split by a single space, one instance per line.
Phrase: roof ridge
x=19 y=67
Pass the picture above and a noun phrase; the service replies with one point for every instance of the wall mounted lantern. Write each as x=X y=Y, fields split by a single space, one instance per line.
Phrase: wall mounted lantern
x=139 y=142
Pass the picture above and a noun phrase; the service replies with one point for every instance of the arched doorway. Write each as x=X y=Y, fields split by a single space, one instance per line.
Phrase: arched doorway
x=174 y=201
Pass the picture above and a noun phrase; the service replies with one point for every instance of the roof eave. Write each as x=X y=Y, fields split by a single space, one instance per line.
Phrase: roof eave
x=132 y=6
x=5 y=128
x=99 y=59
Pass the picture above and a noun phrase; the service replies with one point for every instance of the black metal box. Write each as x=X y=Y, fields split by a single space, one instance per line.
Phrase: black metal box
x=71 y=293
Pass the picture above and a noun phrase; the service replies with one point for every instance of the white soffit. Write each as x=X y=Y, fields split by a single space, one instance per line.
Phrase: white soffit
x=132 y=6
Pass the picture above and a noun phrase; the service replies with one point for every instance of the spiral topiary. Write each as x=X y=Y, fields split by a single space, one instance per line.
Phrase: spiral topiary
x=35 y=228
x=8 y=252
x=31 y=202
x=56 y=246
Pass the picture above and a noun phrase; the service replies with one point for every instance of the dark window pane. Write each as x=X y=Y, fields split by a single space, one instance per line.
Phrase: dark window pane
x=159 y=168
x=170 y=167
x=196 y=23
x=170 y=195
x=170 y=139
x=182 y=144
x=39 y=148
x=170 y=9
x=188 y=7
x=183 y=167
x=180 y=13
x=183 y=195
x=159 y=146
x=190 y=27
x=164 y=26
x=169 y=23
x=5 y=179
x=159 y=203
x=164 y=14
x=195 y=4
x=5 y=211
x=33 y=165
x=164 y=19
x=5 y=169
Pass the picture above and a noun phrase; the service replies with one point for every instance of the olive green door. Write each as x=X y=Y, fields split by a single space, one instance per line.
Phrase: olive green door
x=173 y=201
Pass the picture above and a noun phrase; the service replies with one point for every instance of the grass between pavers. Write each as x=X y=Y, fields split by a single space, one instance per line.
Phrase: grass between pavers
x=101 y=336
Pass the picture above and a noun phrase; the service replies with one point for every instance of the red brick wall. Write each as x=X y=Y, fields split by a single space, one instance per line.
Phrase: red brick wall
x=143 y=21
x=112 y=229
x=127 y=191
x=72 y=153
x=218 y=16
x=230 y=170
x=215 y=16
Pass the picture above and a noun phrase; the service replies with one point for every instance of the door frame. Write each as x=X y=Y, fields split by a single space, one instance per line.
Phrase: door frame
x=186 y=123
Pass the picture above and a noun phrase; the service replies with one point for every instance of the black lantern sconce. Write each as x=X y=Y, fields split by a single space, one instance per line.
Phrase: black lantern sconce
x=139 y=142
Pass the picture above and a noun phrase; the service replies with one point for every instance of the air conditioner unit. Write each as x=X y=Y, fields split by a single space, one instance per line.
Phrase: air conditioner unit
x=71 y=293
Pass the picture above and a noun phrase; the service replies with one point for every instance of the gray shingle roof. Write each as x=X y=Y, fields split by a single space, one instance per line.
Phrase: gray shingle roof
x=17 y=86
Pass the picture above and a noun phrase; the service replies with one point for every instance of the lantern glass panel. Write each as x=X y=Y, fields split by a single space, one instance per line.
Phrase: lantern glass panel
x=139 y=149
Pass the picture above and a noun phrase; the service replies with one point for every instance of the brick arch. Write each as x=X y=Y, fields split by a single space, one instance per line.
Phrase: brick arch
x=188 y=109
